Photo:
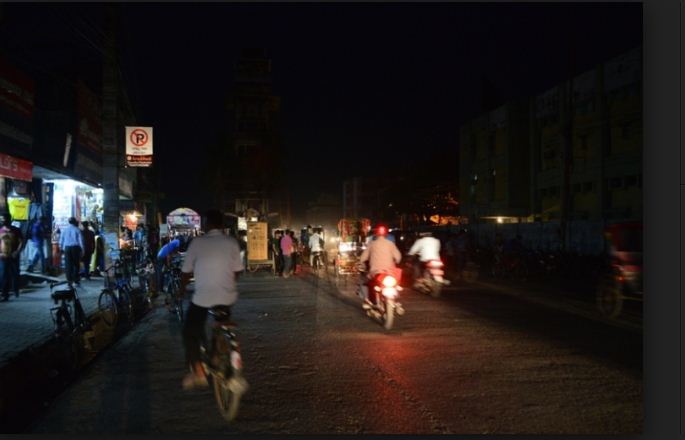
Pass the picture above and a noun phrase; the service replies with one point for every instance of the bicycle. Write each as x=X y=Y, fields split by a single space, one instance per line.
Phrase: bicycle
x=173 y=303
x=224 y=364
x=112 y=304
x=75 y=332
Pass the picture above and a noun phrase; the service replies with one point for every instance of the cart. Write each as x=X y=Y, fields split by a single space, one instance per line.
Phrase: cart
x=623 y=279
x=258 y=247
x=352 y=236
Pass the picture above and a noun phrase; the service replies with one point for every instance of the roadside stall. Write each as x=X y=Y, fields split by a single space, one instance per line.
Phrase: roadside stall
x=258 y=247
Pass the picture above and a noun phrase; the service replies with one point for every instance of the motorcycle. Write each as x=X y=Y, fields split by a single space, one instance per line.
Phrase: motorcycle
x=317 y=260
x=386 y=288
x=432 y=278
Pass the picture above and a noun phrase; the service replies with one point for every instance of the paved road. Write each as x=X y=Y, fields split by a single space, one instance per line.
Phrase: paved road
x=472 y=362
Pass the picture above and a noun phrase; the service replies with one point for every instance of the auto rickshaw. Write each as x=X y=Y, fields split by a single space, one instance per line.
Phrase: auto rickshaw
x=623 y=279
x=352 y=236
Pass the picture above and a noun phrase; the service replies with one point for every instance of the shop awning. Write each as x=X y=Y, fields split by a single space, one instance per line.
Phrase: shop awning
x=15 y=168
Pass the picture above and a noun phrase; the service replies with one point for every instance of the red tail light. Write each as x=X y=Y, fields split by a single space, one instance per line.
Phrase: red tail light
x=389 y=281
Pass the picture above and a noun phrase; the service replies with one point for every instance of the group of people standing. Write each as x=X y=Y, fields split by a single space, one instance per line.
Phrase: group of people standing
x=83 y=250
x=284 y=246
x=288 y=250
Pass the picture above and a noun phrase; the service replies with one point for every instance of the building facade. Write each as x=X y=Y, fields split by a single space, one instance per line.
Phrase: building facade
x=577 y=145
x=494 y=164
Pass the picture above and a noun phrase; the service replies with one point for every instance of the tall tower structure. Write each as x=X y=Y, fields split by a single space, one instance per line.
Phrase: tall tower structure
x=254 y=184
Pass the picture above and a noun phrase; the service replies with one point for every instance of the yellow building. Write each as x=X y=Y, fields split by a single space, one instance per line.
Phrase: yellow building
x=606 y=147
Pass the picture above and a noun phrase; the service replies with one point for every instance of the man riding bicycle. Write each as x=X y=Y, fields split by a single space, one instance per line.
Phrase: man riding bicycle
x=214 y=259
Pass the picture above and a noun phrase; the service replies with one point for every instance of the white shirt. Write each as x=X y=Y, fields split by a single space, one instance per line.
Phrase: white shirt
x=214 y=258
x=428 y=249
x=314 y=243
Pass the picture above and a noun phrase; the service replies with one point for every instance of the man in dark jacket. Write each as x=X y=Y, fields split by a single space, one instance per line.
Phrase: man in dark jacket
x=88 y=248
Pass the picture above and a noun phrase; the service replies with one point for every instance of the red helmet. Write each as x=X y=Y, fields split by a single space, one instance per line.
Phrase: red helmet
x=381 y=230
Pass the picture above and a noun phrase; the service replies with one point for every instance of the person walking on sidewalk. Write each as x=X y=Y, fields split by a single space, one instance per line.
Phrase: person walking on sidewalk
x=88 y=248
x=18 y=244
x=287 y=249
x=71 y=244
x=37 y=239
x=214 y=260
x=9 y=246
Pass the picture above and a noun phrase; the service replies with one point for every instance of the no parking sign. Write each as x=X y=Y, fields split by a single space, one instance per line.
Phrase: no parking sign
x=139 y=146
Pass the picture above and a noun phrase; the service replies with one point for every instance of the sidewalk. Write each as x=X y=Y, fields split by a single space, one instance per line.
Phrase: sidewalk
x=26 y=321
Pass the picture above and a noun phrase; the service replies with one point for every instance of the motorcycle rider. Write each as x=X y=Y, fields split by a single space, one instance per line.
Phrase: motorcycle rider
x=427 y=248
x=383 y=257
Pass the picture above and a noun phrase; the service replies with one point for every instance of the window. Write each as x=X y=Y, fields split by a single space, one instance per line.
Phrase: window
x=543 y=192
x=588 y=187
x=631 y=181
x=554 y=191
x=615 y=182
x=639 y=180
x=577 y=187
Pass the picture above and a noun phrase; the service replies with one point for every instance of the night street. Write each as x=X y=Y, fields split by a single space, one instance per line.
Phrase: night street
x=474 y=361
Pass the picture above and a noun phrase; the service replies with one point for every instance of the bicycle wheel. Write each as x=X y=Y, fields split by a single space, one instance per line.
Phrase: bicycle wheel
x=227 y=400
x=179 y=309
x=125 y=306
x=107 y=305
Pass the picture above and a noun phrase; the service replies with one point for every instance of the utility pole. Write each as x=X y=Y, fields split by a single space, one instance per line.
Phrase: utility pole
x=110 y=144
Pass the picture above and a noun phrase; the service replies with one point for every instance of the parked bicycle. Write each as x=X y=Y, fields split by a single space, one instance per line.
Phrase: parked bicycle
x=173 y=303
x=71 y=323
x=223 y=362
x=115 y=298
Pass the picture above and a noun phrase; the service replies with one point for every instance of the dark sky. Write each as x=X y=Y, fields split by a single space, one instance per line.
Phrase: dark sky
x=393 y=79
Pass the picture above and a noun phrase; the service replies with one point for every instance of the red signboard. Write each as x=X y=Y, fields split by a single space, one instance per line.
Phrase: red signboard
x=15 y=168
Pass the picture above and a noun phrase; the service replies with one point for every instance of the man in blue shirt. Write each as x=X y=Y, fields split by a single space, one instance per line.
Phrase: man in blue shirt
x=164 y=259
x=71 y=244
x=37 y=237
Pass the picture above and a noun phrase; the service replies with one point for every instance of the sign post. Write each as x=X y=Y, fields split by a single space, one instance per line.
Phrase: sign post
x=139 y=146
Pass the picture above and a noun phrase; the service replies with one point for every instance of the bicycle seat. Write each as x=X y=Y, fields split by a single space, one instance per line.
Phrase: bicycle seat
x=63 y=295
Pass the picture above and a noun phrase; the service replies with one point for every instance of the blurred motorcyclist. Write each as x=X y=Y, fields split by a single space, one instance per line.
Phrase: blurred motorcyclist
x=427 y=248
x=383 y=257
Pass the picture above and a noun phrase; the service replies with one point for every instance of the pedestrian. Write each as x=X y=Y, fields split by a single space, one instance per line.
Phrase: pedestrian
x=297 y=253
x=37 y=239
x=138 y=238
x=71 y=244
x=56 y=256
x=287 y=250
x=97 y=265
x=10 y=244
x=277 y=252
x=214 y=259
x=88 y=248
x=19 y=244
